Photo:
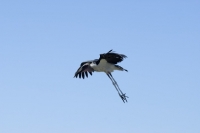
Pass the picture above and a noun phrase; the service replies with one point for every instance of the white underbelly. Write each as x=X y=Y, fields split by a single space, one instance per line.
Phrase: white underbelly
x=104 y=66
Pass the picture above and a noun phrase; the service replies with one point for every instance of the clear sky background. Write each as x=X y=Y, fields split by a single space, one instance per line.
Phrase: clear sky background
x=42 y=44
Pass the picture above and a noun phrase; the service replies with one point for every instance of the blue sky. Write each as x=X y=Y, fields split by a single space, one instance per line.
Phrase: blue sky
x=42 y=44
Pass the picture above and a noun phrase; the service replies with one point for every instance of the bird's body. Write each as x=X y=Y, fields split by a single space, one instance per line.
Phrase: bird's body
x=106 y=63
x=103 y=66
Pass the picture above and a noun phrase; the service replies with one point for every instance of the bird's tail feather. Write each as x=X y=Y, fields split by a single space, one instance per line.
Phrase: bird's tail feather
x=120 y=68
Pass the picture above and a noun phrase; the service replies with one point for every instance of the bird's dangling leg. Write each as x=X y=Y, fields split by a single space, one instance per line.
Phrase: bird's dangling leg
x=113 y=84
x=121 y=94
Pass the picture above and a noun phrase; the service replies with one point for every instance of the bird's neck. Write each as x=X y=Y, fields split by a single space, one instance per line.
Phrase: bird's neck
x=98 y=62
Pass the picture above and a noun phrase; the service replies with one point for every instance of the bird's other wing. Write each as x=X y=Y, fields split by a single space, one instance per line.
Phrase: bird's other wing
x=89 y=61
x=112 y=57
x=84 y=69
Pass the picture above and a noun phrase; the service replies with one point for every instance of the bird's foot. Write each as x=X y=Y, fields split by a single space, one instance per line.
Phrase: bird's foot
x=123 y=97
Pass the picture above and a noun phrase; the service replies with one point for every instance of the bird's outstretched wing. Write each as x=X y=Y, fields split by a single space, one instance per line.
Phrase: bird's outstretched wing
x=84 y=69
x=112 y=57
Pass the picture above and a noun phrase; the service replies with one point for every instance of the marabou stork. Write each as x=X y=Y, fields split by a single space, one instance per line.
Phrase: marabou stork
x=106 y=63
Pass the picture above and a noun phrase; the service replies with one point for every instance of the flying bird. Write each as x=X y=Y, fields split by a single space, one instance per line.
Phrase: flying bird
x=107 y=63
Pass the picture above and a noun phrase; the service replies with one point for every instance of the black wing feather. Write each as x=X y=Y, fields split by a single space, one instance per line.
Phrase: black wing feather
x=90 y=73
x=86 y=74
x=83 y=76
x=79 y=75
x=112 y=57
x=83 y=69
